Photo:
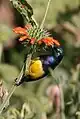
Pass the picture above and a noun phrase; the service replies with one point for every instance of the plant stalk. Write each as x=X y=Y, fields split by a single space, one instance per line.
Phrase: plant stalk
x=41 y=26
x=14 y=86
x=7 y=98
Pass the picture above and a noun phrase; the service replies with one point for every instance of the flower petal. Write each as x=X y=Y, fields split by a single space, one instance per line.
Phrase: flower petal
x=20 y=30
x=56 y=42
x=48 y=41
x=22 y=38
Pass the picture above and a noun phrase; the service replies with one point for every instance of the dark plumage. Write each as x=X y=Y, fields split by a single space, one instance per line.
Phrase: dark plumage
x=39 y=67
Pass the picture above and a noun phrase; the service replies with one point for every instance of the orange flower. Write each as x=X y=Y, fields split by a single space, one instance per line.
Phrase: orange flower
x=26 y=35
x=22 y=31
x=48 y=41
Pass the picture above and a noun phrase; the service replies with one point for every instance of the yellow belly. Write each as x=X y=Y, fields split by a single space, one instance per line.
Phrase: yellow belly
x=36 y=69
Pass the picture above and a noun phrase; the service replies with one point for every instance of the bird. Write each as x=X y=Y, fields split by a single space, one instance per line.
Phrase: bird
x=39 y=66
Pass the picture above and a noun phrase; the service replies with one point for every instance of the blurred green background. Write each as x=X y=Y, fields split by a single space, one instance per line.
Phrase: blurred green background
x=34 y=100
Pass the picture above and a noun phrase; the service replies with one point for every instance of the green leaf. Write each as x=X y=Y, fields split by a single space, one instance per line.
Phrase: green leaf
x=25 y=10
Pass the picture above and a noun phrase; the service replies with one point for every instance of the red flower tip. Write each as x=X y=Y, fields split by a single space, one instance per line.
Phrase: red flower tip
x=48 y=41
x=32 y=41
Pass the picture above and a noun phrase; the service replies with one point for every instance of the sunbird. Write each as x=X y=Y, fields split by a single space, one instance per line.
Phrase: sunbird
x=39 y=67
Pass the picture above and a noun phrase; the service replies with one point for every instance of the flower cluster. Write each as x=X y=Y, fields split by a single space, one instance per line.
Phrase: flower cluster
x=35 y=35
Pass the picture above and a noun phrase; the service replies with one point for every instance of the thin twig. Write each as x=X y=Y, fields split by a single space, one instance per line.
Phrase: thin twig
x=15 y=86
x=34 y=21
x=7 y=98
x=11 y=92
x=41 y=26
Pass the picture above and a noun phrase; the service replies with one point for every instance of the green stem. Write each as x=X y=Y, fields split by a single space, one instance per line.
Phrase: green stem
x=41 y=26
x=34 y=21
x=7 y=98
x=15 y=86
x=28 y=61
x=11 y=92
